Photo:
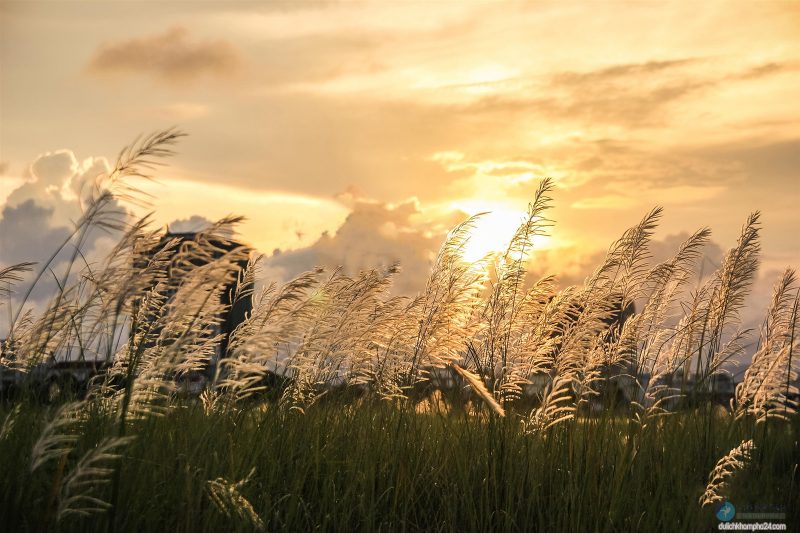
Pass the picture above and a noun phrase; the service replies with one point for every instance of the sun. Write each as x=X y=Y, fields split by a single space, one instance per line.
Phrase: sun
x=493 y=230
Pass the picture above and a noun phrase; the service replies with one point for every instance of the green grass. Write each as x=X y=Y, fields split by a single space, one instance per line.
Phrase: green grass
x=375 y=467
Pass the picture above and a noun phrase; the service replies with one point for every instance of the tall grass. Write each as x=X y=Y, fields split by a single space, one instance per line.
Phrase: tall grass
x=320 y=412
x=370 y=467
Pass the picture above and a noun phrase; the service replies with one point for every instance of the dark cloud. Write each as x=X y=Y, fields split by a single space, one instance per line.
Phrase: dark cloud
x=26 y=232
x=172 y=56
x=27 y=235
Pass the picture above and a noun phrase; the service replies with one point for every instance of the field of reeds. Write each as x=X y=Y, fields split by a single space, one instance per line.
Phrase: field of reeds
x=559 y=410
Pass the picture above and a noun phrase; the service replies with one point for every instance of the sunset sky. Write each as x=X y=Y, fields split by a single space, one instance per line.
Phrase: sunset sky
x=380 y=124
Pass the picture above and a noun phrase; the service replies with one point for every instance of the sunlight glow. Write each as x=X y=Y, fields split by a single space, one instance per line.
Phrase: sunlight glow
x=274 y=219
x=492 y=233
x=494 y=229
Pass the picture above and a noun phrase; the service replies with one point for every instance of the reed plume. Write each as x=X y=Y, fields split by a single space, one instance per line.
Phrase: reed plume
x=80 y=489
x=726 y=292
x=477 y=385
x=500 y=349
x=723 y=473
x=228 y=500
x=767 y=388
x=9 y=422
x=59 y=435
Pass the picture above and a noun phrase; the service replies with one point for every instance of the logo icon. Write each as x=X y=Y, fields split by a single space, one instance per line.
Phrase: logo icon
x=726 y=512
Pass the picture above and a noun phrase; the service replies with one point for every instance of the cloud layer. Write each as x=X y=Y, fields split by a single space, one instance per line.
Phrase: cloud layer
x=173 y=56
x=374 y=235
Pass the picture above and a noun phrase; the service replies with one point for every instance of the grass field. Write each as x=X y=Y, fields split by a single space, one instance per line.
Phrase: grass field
x=374 y=466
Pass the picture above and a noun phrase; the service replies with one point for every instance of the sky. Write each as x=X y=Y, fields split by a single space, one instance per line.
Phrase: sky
x=356 y=133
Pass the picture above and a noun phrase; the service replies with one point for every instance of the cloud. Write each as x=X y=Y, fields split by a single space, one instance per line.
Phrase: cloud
x=633 y=168
x=317 y=145
x=773 y=162
x=622 y=174
x=39 y=216
x=374 y=235
x=273 y=218
x=629 y=94
x=192 y=224
x=309 y=142
x=7 y=183
x=765 y=69
x=56 y=180
x=54 y=167
x=491 y=179
x=628 y=106
x=632 y=95
x=172 y=57
x=29 y=233
x=26 y=232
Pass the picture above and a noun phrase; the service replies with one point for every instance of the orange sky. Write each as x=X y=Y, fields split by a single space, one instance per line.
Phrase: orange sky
x=383 y=123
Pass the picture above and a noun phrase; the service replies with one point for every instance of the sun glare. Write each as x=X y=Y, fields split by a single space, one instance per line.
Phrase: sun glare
x=493 y=231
